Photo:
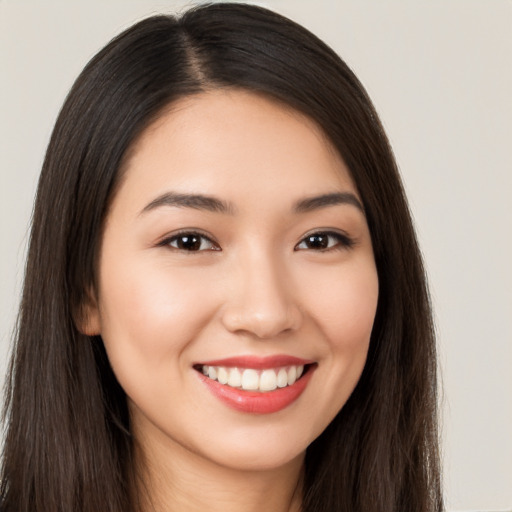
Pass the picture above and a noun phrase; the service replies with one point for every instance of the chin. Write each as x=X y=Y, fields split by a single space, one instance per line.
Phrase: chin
x=269 y=446
x=258 y=458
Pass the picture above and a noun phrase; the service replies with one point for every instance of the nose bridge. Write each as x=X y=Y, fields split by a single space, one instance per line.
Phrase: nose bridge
x=263 y=302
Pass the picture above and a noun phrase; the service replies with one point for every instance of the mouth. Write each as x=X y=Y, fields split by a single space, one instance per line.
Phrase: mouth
x=256 y=385
x=251 y=379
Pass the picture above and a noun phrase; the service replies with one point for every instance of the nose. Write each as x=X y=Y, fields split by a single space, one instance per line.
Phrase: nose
x=263 y=303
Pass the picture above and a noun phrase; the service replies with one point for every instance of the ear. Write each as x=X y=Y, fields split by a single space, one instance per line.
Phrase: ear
x=87 y=318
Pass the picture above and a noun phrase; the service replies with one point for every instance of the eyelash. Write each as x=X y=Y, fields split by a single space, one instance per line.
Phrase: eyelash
x=201 y=237
x=341 y=241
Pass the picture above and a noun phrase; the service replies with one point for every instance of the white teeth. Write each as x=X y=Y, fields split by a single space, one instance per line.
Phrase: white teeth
x=235 y=378
x=268 y=380
x=250 y=379
x=222 y=375
x=292 y=375
x=282 y=378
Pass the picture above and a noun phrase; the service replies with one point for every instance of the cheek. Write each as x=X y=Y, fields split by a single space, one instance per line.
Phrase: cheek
x=345 y=308
x=149 y=313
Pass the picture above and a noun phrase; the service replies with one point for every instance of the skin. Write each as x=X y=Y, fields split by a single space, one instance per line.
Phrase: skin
x=256 y=289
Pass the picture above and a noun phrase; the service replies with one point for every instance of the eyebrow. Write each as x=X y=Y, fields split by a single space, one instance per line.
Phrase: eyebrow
x=196 y=201
x=335 y=198
x=216 y=205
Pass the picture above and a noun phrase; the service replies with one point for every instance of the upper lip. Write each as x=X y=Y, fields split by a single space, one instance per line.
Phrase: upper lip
x=257 y=362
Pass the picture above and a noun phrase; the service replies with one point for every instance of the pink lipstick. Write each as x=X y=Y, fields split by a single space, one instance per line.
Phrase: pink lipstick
x=259 y=385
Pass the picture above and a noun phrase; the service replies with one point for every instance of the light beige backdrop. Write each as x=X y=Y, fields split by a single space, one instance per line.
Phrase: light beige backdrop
x=440 y=75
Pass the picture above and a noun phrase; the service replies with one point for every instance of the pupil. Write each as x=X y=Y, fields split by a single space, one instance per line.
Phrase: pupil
x=189 y=243
x=317 y=241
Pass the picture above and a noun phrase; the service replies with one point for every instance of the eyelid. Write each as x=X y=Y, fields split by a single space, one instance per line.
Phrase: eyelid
x=167 y=239
x=345 y=241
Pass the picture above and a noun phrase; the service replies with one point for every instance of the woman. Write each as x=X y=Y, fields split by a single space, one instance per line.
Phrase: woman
x=224 y=303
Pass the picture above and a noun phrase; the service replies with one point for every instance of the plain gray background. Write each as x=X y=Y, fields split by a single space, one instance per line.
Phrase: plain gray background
x=440 y=75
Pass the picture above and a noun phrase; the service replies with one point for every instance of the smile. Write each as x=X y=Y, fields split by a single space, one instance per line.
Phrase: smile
x=251 y=379
x=257 y=385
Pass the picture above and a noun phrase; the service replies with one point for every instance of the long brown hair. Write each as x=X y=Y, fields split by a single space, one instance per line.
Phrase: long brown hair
x=68 y=445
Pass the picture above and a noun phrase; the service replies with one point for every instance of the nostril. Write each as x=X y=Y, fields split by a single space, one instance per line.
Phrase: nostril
x=265 y=322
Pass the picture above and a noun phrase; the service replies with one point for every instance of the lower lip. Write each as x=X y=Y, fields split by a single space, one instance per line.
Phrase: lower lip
x=255 y=402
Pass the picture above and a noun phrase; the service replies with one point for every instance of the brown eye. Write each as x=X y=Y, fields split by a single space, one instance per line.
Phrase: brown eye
x=319 y=241
x=191 y=242
x=323 y=241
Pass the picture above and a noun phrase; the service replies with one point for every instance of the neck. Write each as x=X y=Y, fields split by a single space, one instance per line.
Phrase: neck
x=177 y=479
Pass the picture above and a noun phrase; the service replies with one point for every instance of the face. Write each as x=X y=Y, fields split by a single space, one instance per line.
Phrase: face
x=237 y=284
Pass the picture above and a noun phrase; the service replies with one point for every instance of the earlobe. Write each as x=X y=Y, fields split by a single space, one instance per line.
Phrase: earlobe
x=87 y=318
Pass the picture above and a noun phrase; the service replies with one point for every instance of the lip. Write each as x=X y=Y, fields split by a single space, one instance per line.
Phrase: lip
x=257 y=402
x=257 y=362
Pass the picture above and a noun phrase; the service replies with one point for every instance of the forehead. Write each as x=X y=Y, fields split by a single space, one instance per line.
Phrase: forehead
x=237 y=144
